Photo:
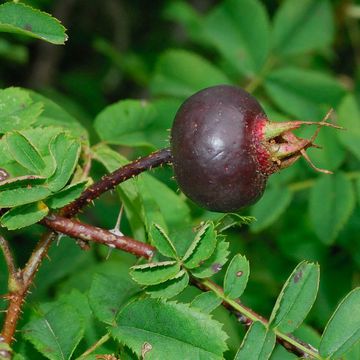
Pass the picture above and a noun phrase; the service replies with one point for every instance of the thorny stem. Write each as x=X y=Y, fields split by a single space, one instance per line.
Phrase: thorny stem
x=110 y=181
x=8 y=257
x=17 y=298
x=79 y=230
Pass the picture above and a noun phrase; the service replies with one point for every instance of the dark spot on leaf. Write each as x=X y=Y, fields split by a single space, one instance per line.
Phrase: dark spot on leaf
x=298 y=276
x=239 y=273
x=28 y=27
x=216 y=267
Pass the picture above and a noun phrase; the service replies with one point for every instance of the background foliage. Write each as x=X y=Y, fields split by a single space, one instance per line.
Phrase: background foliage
x=299 y=58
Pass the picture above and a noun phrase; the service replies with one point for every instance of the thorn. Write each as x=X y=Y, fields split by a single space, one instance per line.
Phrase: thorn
x=110 y=249
x=59 y=237
x=116 y=229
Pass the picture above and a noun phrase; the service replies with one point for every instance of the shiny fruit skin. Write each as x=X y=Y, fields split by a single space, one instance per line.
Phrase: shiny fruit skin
x=215 y=142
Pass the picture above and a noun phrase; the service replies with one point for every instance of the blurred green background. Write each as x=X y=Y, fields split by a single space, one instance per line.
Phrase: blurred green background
x=299 y=58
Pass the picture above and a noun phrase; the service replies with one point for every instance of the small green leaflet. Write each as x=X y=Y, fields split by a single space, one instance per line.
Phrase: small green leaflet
x=206 y=302
x=65 y=151
x=300 y=92
x=55 y=116
x=57 y=333
x=343 y=329
x=202 y=247
x=108 y=293
x=230 y=220
x=23 y=195
x=25 y=153
x=66 y=195
x=169 y=330
x=24 y=215
x=154 y=273
x=332 y=201
x=21 y=181
x=258 y=343
x=296 y=298
x=233 y=34
x=171 y=287
x=124 y=122
x=22 y=19
x=162 y=242
x=278 y=199
x=18 y=111
x=297 y=24
x=236 y=277
x=181 y=73
x=348 y=117
x=214 y=263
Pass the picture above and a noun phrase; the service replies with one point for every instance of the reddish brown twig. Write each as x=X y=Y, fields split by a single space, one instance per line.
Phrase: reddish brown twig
x=79 y=230
x=110 y=181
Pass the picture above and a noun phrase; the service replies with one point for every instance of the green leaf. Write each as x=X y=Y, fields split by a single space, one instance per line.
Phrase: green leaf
x=65 y=151
x=230 y=28
x=202 y=247
x=348 y=117
x=18 y=111
x=302 y=93
x=214 y=263
x=169 y=288
x=296 y=298
x=66 y=195
x=332 y=201
x=25 y=153
x=23 y=195
x=181 y=73
x=21 y=181
x=236 y=276
x=274 y=202
x=206 y=302
x=22 y=19
x=343 y=329
x=230 y=220
x=258 y=343
x=161 y=241
x=184 y=13
x=297 y=24
x=56 y=116
x=24 y=215
x=172 y=206
x=56 y=334
x=108 y=293
x=154 y=273
x=169 y=330
x=125 y=122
